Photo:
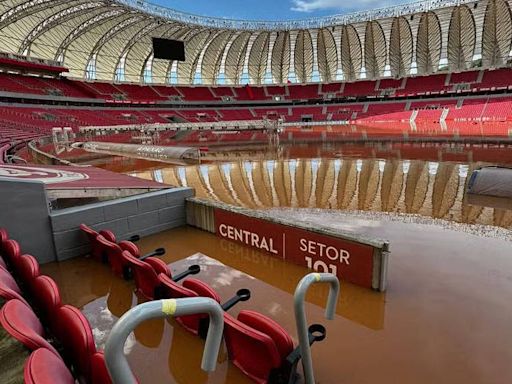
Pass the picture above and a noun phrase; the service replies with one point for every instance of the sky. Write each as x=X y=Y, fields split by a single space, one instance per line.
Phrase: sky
x=273 y=9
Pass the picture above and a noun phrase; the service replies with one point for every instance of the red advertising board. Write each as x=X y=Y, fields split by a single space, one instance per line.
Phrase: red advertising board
x=348 y=260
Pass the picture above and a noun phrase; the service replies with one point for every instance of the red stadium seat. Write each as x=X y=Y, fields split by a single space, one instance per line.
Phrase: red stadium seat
x=28 y=269
x=47 y=301
x=145 y=274
x=100 y=373
x=20 y=322
x=8 y=288
x=97 y=250
x=76 y=338
x=256 y=344
x=190 y=288
x=11 y=252
x=113 y=253
x=44 y=367
x=2 y=263
x=4 y=236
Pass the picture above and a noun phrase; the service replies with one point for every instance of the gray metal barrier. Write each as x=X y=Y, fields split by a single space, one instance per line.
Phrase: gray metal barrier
x=300 y=315
x=116 y=361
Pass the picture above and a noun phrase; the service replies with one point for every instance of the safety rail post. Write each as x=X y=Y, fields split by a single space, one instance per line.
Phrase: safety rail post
x=300 y=315
x=116 y=361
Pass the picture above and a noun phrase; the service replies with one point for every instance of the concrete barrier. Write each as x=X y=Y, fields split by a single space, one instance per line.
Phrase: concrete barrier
x=352 y=257
x=143 y=215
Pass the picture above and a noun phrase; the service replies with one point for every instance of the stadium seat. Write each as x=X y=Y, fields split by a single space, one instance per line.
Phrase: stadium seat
x=78 y=343
x=145 y=273
x=9 y=289
x=113 y=253
x=100 y=373
x=28 y=269
x=75 y=335
x=11 y=252
x=197 y=324
x=4 y=236
x=44 y=367
x=21 y=322
x=257 y=345
x=97 y=250
x=47 y=301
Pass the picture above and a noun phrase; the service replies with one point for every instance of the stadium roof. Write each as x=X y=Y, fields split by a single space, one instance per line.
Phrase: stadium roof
x=111 y=40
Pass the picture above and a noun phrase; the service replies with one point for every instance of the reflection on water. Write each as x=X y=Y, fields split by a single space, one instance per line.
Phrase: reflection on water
x=443 y=318
x=429 y=188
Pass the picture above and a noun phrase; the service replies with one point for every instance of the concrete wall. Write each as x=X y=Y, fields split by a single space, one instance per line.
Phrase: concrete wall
x=24 y=213
x=143 y=215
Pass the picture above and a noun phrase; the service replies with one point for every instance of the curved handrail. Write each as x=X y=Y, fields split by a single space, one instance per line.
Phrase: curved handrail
x=116 y=361
x=300 y=315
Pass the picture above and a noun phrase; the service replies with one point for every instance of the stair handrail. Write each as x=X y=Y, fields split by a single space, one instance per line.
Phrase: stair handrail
x=116 y=361
x=299 y=300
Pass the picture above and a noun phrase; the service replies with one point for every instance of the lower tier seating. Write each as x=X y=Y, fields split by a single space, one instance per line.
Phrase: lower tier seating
x=61 y=339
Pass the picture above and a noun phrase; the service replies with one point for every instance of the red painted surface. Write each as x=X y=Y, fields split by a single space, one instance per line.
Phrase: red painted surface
x=65 y=177
x=350 y=261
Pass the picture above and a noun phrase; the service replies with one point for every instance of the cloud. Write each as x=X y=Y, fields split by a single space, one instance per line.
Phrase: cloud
x=339 y=5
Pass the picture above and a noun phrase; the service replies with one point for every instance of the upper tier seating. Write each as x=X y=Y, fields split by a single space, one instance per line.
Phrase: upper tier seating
x=423 y=84
x=498 y=78
x=137 y=93
x=464 y=77
x=303 y=92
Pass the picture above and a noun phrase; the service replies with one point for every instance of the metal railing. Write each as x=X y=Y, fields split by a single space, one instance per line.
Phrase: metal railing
x=116 y=361
x=319 y=22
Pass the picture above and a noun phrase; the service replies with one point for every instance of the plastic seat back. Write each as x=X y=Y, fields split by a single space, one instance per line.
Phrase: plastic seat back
x=100 y=373
x=2 y=263
x=11 y=253
x=262 y=323
x=146 y=279
x=44 y=367
x=75 y=335
x=159 y=266
x=21 y=322
x=47 y=301
x=130 y=247
x=190 y=288
x=4 y=236
x=97 y=250
x=9 y=289
x=252 y=348
x=28 y=270
x=113 y=252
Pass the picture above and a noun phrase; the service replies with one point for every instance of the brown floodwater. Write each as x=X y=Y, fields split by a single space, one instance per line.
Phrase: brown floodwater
x=445 y=317
x=423 y=180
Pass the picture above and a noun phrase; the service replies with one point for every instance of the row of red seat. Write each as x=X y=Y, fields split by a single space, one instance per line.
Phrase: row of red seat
x=409 y=86
x=64 y=324
x=33 y=120
x=260 y=347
